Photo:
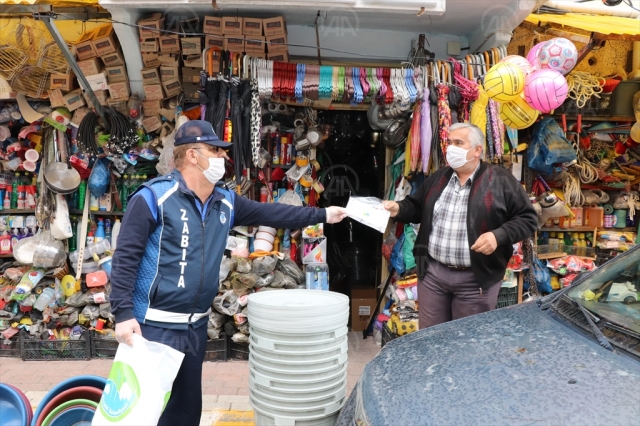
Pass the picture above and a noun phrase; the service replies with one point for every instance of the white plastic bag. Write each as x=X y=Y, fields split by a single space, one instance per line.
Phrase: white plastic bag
x=368 y=211
x=61 y=226
x=139 y=384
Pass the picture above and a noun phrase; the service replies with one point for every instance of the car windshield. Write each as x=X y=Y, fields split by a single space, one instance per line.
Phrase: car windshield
x=612 y=292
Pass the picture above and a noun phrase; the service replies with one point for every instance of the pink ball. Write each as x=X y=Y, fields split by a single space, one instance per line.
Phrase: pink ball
x=532 y=56
x=545 y=90
x=520 y=62
x=558 y=54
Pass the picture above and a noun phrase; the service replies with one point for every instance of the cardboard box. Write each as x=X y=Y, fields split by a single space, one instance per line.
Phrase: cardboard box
x=234 y=44
x=152 y=123
x=149 y=45
x=214 y=41
x=212 y=25
x=74 y=100
x=231 y=26
x=98 y=81
x=254 y=44
x=150 y=76
x=167 y=60
x=274 y=26
x=105 y=41
x=191 y=75
x=190 y=91
x=153 y=25
x=363 y=305
x=56 y=98
x=151 y=107
x=78 y=115
x=277 y=44
x=64 y=82
x=113 y=59
x=169 y=73
x=91 y=66
x=191 y=26
x=153 y=92
x=150 y=60
x=278 y=57
x=119 y=105
x=252 y=26
x=191 y=45
x=193 y=61
x=101 y=95
x=169 y=45
x=116 y=74
x=119 y=91
x=172 y=87
x=85 y=50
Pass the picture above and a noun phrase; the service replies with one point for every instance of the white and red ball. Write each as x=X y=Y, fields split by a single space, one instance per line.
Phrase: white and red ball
x=519 y=62
x=558 y=54
x=545 y=90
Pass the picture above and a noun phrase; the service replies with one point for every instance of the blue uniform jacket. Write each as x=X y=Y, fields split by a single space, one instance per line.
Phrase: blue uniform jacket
x=166 y=266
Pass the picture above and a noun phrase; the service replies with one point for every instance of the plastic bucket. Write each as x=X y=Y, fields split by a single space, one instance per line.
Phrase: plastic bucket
x=299 y=325
x=287 y=348
x=296 y=357
x=297 y=383
x=294 y=377
x=309 y=403
x=294 y=367
x=267 y=420
x=300 y=338
x=298 y=300
x=332 y=390
x=304 y=412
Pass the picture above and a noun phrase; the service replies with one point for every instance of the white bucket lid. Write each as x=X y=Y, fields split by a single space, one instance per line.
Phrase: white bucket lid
x=307 y=300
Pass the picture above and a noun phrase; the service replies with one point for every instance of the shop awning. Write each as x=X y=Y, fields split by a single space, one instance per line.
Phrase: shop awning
x=605 y=25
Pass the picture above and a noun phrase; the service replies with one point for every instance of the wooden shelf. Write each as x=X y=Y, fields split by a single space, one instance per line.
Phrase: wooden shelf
x=96 y=213
x=6 y=256
x=17 y=211
x=587 y=117
x=585 y=229
x=545 y=256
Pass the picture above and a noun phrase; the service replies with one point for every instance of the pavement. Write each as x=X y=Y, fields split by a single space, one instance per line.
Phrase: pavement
x=225 y=385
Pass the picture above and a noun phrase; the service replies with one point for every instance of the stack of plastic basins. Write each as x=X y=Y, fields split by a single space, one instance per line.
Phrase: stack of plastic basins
x=298 y=356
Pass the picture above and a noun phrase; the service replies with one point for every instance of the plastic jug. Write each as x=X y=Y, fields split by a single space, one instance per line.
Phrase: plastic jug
x=593 y=216
x=44 y=299
x=68 y=284
x=576 y=221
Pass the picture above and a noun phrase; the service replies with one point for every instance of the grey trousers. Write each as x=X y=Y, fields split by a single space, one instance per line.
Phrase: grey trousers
x=446 y=294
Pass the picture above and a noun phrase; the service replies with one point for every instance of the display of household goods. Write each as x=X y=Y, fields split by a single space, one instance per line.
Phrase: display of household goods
x=368 y=211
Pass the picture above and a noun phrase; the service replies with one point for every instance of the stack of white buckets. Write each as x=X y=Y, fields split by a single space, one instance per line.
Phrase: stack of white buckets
x=298 y=356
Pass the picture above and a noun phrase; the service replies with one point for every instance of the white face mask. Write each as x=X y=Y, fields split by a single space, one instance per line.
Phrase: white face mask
x=215 y=171
x=456 y=156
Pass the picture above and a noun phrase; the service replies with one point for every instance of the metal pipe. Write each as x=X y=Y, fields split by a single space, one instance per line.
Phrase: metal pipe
x=57 y=37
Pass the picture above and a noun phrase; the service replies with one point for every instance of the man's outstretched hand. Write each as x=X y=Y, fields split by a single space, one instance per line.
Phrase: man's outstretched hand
x=335 y=214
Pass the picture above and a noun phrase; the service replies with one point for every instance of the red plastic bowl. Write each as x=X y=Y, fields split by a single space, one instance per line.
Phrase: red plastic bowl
x=26 y=402
x=79 y=392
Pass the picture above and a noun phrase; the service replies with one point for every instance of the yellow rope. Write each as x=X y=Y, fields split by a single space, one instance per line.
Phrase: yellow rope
x=582 y=86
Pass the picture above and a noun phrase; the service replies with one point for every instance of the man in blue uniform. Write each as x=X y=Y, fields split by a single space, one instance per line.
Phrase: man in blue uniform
x=165 y=270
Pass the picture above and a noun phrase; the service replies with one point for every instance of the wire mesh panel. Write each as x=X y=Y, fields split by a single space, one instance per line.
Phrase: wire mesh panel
x=54 y=61
x=31 y=37
x=32 y=81
x=11 y=60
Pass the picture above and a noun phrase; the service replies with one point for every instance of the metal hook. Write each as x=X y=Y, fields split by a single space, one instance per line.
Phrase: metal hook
x=84 y=28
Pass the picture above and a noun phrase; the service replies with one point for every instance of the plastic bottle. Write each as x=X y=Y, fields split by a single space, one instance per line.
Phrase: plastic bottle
x=7 y=198
x=114 y=234
x=124 y=192
x=276 y=149
x=94 y=203
x=44 y=299
x=560 y=242
x=73 y=241
x=99 y=236
x=82 y=193
x=107 y=230
x=20 y=202
x=284 y=160
x=3 y=190
x=553 y=242
x=14 y=191
x=582 y=243
x=90 y=238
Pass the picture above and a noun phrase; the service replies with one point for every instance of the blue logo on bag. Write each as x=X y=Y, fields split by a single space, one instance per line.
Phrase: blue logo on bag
x=121 y=393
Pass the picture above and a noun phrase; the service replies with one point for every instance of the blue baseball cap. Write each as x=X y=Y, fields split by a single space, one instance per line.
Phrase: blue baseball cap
x=199 y=131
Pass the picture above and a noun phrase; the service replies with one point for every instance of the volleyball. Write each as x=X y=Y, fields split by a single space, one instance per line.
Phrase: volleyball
x=519 y=62
x=532 y=56
x=558 y=54
x=545 y=90
x=503 y=82
x=518 y=114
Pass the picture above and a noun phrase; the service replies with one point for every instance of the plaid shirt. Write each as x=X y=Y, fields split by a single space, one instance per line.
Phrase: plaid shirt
x=449 y=242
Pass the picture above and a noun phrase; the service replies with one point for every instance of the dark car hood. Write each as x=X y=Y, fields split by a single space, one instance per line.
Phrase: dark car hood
x=515 y=366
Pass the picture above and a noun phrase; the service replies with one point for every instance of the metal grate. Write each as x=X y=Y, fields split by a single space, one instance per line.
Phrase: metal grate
x=54 y=61
x=32 y=81
x=217 y=349
x=36 y=350
x=238 y=351
x=103 y=347
x=10 y=347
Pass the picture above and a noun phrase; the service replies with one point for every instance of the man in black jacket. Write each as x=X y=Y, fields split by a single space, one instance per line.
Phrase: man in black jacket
x=470 y=215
